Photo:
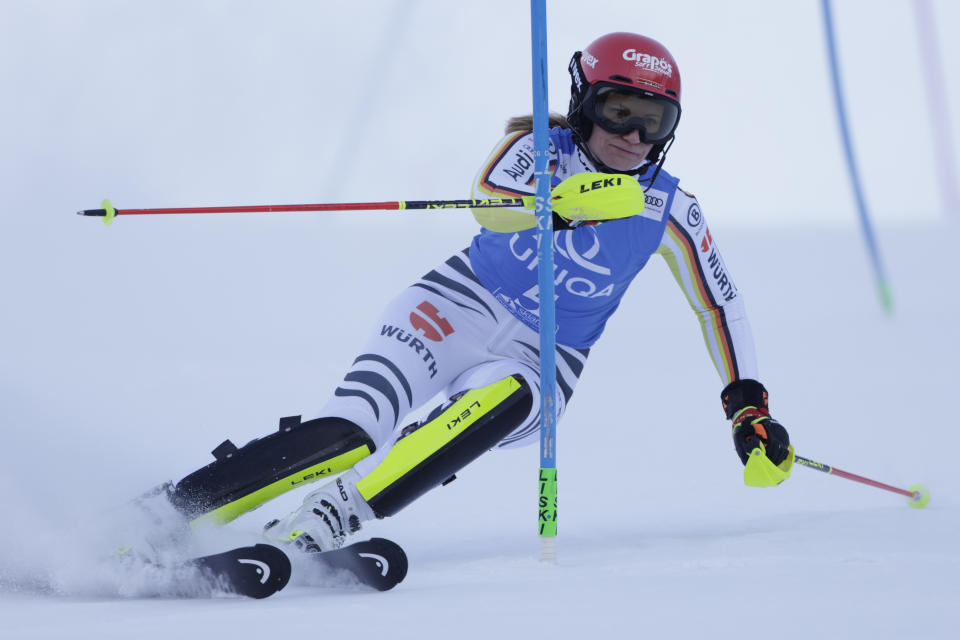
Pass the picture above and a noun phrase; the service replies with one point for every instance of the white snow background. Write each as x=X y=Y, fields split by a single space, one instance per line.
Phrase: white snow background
x=127 y=353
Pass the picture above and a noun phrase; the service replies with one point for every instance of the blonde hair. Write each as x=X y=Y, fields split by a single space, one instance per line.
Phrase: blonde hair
x=525 y=123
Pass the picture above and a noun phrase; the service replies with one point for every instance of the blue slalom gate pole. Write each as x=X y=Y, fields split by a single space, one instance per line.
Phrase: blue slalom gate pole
x=547 y=505
x=883 y=287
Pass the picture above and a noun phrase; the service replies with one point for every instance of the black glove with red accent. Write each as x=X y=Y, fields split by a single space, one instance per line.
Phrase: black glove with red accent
x=745 y=402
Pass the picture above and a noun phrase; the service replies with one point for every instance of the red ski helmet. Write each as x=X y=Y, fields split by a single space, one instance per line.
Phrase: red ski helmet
x=625 y=63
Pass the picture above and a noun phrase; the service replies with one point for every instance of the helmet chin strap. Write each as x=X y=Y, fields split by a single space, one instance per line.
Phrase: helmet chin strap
x=663 y=157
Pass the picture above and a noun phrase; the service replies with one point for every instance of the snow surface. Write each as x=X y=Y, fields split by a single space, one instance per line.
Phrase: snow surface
x=129 y=352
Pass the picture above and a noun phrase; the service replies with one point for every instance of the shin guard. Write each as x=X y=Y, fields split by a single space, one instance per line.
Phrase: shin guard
x=432 y=452
x=242 y=479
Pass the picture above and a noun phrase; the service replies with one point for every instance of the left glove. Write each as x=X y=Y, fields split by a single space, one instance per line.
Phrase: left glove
x=762 y=443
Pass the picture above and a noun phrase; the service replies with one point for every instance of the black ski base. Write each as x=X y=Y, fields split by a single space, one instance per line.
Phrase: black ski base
x=377 y=562
x=256 y=572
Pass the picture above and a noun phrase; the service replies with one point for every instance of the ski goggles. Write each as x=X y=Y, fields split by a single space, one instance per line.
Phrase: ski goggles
x=621 y=110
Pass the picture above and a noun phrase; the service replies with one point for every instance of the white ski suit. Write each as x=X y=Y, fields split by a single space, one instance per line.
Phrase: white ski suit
x=474 y=319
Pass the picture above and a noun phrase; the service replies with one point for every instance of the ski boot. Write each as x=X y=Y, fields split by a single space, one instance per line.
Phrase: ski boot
x=325 y=520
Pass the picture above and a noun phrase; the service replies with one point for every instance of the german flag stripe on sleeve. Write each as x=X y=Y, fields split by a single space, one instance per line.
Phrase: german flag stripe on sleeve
x=486 y=184
x=681 y=254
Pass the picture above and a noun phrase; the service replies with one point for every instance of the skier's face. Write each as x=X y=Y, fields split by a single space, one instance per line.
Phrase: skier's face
x=618 y=151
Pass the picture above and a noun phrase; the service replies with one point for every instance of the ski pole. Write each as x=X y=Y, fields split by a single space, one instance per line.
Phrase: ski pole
x=918 y=495
x=583 y=196
x=108 y=212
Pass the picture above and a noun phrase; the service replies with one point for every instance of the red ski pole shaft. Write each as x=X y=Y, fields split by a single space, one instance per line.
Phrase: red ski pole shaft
x=269 y=208
x=825 y=468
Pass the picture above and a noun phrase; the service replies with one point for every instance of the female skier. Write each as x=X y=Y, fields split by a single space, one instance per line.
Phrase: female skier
x=469 y=328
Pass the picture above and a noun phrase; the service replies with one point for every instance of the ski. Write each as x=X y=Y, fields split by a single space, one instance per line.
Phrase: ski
x=261 y=570
x=256 y=572
x=377 y=562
